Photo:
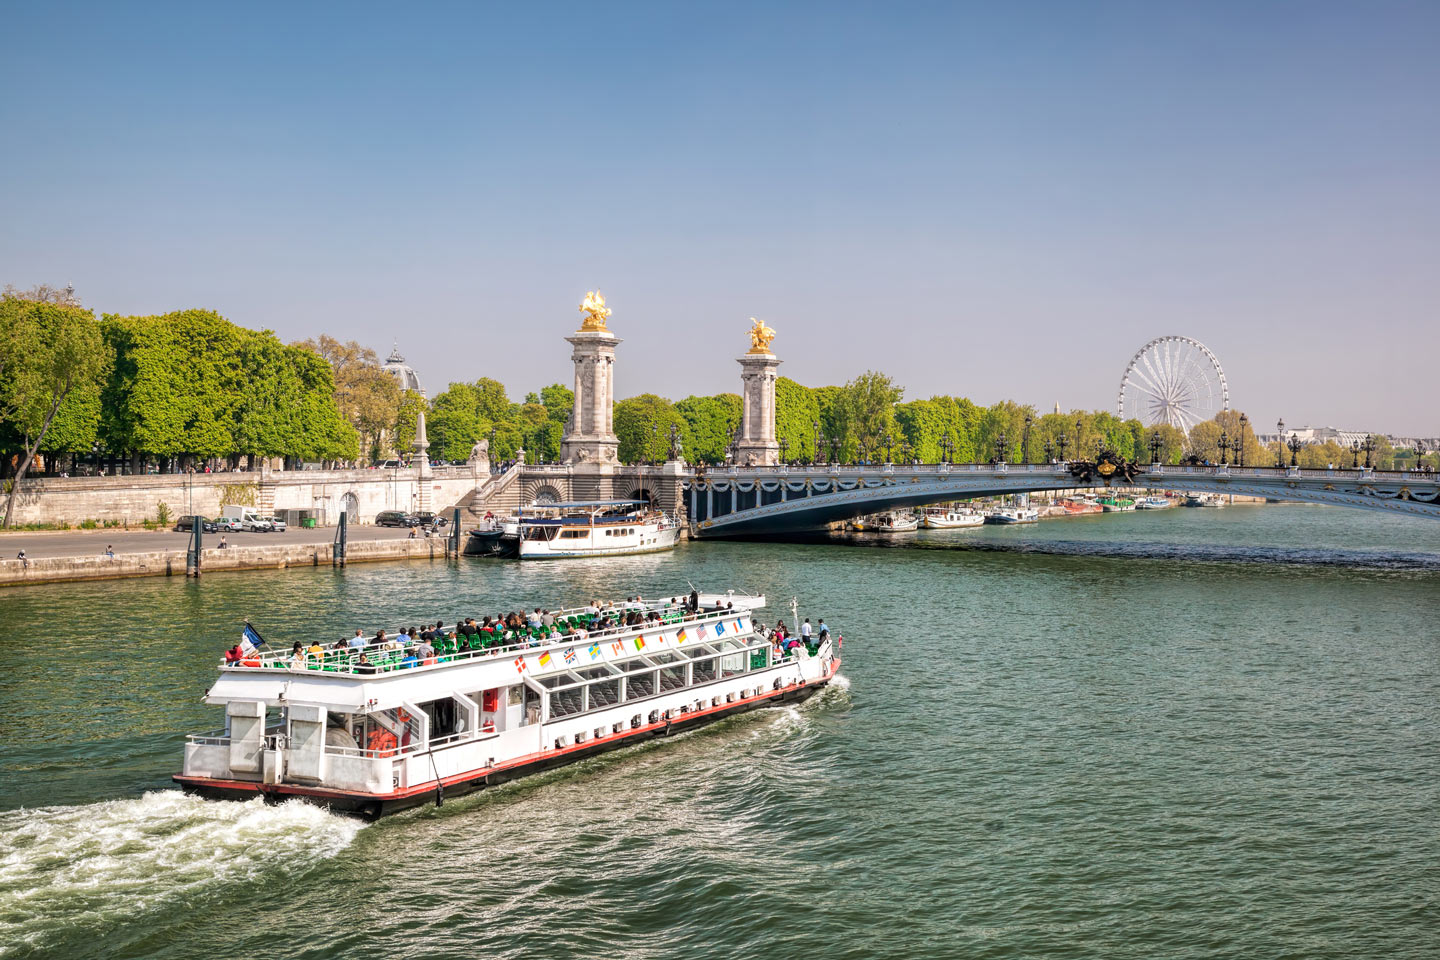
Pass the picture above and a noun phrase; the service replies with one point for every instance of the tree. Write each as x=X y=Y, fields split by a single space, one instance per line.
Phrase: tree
x=706 y=425
x=866 y=412
x=368 y=396
x=643 y=426
x=797 y=412
x=407 y=413
x=47 y=352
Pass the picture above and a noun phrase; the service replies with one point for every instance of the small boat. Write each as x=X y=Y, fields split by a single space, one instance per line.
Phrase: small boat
x=1153 y=503
x=1078 y=506
x=939 y=518
x=374 y=728
x=594 y=528
x=896 y=523
x=1117 y=504
x=1009 y=515
x=1211 y=500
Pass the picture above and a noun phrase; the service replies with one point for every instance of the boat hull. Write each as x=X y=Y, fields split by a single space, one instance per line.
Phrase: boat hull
x=373 y=806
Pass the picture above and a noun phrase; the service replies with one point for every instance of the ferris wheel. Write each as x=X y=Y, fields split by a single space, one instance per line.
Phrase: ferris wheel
x=1174 y=380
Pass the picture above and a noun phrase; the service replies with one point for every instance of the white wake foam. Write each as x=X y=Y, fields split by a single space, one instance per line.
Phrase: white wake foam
x=89 y=866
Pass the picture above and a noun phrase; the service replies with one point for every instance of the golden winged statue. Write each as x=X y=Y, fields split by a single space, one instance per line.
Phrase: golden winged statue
x=760 y=336
x=595 y=311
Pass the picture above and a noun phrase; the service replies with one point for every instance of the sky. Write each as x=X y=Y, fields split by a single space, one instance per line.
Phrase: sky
x=998 y=200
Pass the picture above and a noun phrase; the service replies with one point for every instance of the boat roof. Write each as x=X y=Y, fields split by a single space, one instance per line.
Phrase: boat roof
x=592 y=503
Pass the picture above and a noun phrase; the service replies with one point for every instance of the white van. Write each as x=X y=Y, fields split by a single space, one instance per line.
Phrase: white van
x=249 y=518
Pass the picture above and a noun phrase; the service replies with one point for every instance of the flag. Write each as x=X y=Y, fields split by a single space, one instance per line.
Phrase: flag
x=594 y=650
x=519 y=664
x=719 y=628
x=682 y=636
x=618 y=647
x=700 y=631
x=250 y=638
x=545 y=659
x=639 y=643
x=739 y=626
x=570 y=655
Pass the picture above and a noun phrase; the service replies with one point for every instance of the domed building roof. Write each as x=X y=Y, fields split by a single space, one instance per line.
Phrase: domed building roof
x=396 y=366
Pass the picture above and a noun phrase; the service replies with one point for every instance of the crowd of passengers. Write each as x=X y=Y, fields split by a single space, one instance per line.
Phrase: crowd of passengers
x=414 y=646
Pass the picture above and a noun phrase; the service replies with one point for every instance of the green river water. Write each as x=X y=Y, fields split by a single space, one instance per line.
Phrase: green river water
x=1191 y=733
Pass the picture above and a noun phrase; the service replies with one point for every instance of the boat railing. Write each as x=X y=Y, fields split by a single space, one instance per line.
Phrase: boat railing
x=388 y=659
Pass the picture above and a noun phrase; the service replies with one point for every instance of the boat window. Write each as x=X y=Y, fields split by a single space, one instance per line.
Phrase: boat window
x=565 y=702
x=594 y=673
x=573 y=534
x=732 y=663
x=515 y=695
x=704 y=670
x=552 y=681
x=698 y=651
x=664 y=656
x=672 y=678
x=639 y=685
x=639 y=663
x=604 y=693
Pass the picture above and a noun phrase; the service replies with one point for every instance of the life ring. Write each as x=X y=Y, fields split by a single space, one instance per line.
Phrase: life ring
x=402 y=715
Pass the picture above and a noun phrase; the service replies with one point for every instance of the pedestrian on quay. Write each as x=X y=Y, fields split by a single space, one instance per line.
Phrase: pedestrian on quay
x=223 y=544
x=24 y=561
x=109 y=551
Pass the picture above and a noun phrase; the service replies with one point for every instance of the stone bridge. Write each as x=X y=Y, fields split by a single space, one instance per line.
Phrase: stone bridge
x=766 y=500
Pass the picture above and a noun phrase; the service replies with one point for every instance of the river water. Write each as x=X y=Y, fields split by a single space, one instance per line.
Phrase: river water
x=1191 y=733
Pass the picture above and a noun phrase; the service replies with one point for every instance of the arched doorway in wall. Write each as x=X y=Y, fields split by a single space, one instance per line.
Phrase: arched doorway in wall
x=352 y=508
x=544 y=493
x=641 y=493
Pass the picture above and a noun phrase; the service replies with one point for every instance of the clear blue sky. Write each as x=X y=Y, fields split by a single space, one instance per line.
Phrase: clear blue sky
x=1000 y=200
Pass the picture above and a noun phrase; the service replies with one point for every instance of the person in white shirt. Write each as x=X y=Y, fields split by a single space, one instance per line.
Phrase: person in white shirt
x=805 y=631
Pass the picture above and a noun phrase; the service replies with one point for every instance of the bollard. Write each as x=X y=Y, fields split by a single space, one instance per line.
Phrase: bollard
x=341 y=535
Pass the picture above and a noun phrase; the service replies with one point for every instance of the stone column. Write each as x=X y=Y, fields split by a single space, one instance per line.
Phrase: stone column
x=757 y=445
x=423 y=476
x=590 y=435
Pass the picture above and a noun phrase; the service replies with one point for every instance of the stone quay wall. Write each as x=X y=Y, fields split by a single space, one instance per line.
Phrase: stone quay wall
x=328 y=493
x=171 y=563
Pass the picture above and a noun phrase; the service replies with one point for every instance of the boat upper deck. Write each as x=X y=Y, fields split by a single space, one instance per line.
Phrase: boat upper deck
x=532 y=649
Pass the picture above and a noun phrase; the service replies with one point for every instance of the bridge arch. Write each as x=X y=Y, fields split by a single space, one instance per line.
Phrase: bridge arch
x=542 y=492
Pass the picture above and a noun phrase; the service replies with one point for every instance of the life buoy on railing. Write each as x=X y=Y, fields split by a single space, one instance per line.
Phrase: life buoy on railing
x=402 y=715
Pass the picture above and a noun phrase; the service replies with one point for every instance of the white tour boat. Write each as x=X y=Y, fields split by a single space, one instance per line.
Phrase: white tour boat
x=939 y=518
x=1008 y=515
x=372 y=729
x=893 y=522
x=594 y=528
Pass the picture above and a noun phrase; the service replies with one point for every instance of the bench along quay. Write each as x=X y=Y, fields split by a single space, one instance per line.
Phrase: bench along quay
x=369 y=729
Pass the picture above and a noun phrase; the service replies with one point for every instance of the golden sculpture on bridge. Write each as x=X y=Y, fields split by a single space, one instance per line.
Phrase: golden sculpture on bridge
x=595 y=311
x=760 y=336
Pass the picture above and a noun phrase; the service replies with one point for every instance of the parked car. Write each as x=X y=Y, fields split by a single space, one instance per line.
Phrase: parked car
x=188 y=522
x=277 y=525
x=257 y=525
x=228 y=525
x=425 y=519
x=394 y=518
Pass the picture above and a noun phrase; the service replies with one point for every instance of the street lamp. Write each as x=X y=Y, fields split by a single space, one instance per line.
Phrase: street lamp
x=1295 y=451
x=1000 y=445
x=1280 y=454
x=1154 y=447
x=1224 y=447
x=784 y=446
x=1240 y=443
x=1062 y=442
x=945 y=447
x=834 y=449
x=1355 y=455
x=1025 y=440
x=889 y=442
x=1049 y=450
x=818 y=441
x=1369 y=448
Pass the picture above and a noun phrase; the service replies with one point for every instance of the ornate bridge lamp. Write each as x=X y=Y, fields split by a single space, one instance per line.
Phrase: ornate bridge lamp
x=1369 y=448
x=1295 y=446
x=1419 y=456
x=1049 y=451
x=1001 y=444
x=834 y=449
x=1355 y=455
x=1062 y=442
x=1224 y=448
x=1240 y=443
x=1079 y=429
x=784 y=447
x=1154 y=447
x=889 y=442
x=1280 y=455
x=1025 y=440
x=819 y=440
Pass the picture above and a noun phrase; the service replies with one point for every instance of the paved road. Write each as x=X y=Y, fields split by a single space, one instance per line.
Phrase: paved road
x=76 y=543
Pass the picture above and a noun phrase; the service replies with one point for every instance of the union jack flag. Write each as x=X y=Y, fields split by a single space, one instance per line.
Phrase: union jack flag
x=570 y=655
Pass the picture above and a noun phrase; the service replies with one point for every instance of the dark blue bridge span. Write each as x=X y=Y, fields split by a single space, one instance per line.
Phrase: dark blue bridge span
x=760 y=501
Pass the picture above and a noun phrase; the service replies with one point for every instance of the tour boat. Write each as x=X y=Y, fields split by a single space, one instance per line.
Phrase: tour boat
x=594 y=528
x=939 y=518
x=1117 y=504
x=372 y=730
x=896 y=523
x=1008 y=515
x=1152 y=503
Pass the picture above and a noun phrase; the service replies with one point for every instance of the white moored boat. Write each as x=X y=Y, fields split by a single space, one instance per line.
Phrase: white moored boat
x=939 y=518
x=1152 y=503
x=887 y=523
x=372 y=729
x=594 y=528
x=1008 y=515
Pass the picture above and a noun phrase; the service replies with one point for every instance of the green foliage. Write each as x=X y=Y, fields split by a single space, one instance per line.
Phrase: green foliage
x=642 y=425
x=797 y=413
x=238 y=494
x=706 y=424
x=864 y=414
x=162 y=513
x=407 y=413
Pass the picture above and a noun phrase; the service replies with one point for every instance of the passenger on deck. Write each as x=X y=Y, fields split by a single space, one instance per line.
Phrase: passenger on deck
x=805 y=631
x=824 y=631
x=297 y=655
x=363 y=665
x=358 y=641
x=425 y=652
x=315 y=650
x=694 y=601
